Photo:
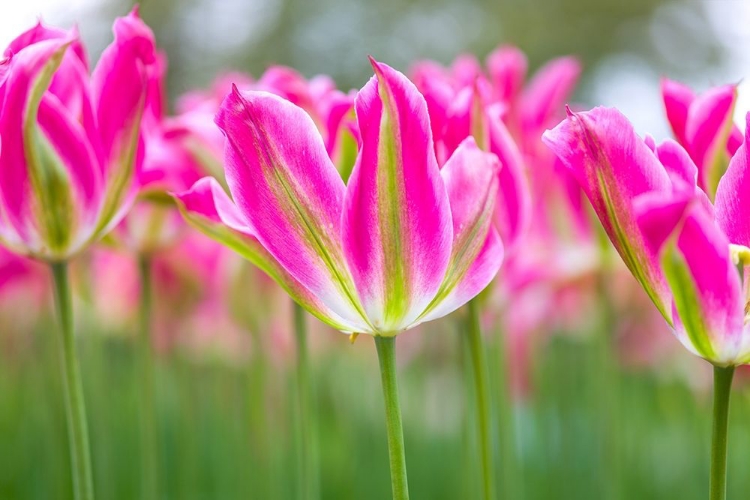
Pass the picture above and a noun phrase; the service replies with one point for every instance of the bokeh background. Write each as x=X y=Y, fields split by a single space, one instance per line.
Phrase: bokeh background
x=591 y=419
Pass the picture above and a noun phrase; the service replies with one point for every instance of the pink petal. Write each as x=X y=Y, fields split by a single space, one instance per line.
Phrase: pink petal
x=513 y=212
x=677 y=100
x=119 y=87
x=507 y=68
x=471 y=179
x=40 y=33
x=614 y=166
x=718 y=317
x=29 y=74
x=708 y=127
x=465 y=70
x=285 y=185
x=733 y=196
x=544 y=97
x=210 y=210
x=397 y=224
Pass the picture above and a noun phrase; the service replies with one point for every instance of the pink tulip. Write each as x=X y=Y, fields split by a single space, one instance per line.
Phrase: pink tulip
x=403 y=243
x=664 y=228
x=170 y=163
x=70 y=148
x=703 y=126
x=330 y=109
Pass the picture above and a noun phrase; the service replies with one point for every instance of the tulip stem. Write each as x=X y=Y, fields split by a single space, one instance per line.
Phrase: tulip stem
x=149 y=462
x=307 y=472
x=722 y=388
x=386 y=347
x=481 y=398
x=80 y=455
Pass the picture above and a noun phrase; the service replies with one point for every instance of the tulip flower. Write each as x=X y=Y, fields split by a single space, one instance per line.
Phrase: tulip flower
x=402 y=243
x=689 y=254
x=703 y=126
x=507 y=119
x=330 y=109
x=70 y=152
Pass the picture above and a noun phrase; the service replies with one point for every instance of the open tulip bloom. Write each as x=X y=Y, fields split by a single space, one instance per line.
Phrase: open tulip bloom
x=688 y=252
x=402 y=243
x=69 y=159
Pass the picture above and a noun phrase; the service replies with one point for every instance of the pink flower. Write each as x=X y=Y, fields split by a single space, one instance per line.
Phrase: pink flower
x=703 y=126
x=170 y=163
x=69 y=143
x=664 y=228
x=332 y=111
x=402 y=243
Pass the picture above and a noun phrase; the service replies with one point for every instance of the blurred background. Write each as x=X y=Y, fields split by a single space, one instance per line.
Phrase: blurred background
x=603 y=404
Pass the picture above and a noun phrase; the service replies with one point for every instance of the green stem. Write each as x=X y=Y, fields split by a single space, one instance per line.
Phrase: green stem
x=482 y=399
x=308 y=477
x=80 y=455
x=386 y=347
x=722 y=386
x=149 y=462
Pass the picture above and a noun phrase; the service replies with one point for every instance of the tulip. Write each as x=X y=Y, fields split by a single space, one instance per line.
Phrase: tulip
x=690 y=255
x=402 y=243
x=330 y=109
x=507 y=120
x=332 y=112
x=69 y=158
x=703 y=126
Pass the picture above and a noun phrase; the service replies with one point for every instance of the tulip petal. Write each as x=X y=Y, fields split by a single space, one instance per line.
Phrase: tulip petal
x=286 y=187
x=507 y=68
x=546 y=94
x=397 y=221
x=677 y=100
x=707 y=291
x=471 y=179
x=733 y=196
x=207 y=207
x=513 y=210
x=709 y=125
x=30 y=168
x=119 y=89
x=614 y=166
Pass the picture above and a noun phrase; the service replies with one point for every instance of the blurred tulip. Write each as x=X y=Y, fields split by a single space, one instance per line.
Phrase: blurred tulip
x=703 y=126
x=71 y=148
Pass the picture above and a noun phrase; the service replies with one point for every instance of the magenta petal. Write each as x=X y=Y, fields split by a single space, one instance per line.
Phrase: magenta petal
x=286 y=186
x=71 y=146
x=471 y=179
x=22 y=97
x=40 y=33
x=507 y=69
x=614 y=166
x=733 y=196
x=119 y=87
x=209 y=209
x=720 y=317
x=513 y=211
x=677 y=163
x=397 y=221
x=709 y=125
x=677 y=100
x=544 y=97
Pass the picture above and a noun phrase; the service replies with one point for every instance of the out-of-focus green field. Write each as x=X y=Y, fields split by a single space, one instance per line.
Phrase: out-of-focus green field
x=587 y=428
